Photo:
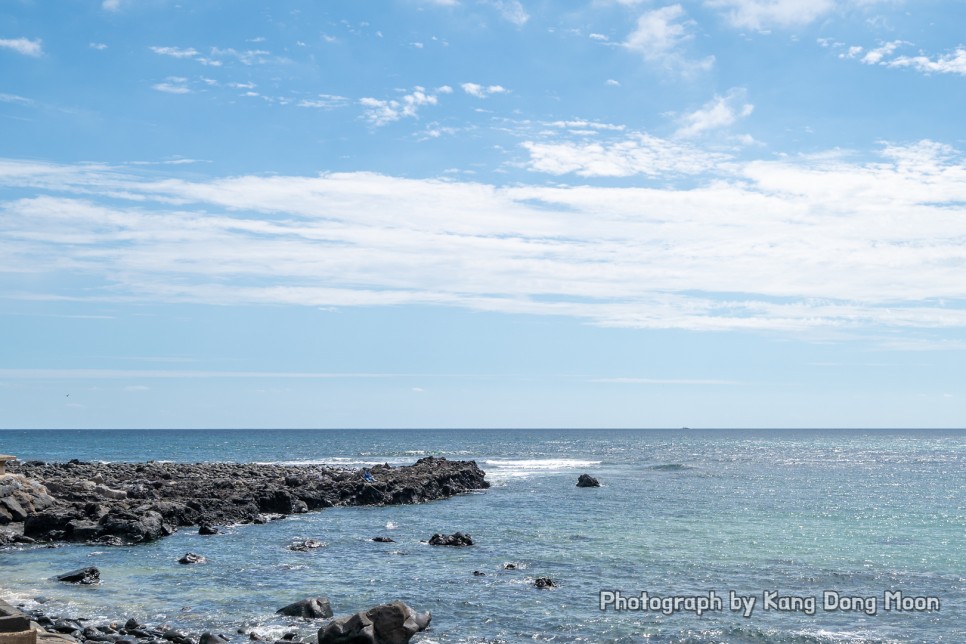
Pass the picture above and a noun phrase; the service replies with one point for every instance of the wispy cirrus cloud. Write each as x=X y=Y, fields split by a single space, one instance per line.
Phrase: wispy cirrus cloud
x=25 y=46
x=173 y=85
x=885 y=55
x=720 y=112
x=636 y=153
x=660 y=36
x=813 y=244
x=762 y=15
x=482 y=91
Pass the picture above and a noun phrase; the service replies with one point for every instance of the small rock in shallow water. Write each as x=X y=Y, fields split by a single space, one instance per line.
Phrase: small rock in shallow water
x=311 y=608
x=211 y=638
x=455 y=539
x=477 y=573
x=306 y=545
x=545 y=582
x=383 y=540
x=192 y=558
x=90 y=575
x=207 y=529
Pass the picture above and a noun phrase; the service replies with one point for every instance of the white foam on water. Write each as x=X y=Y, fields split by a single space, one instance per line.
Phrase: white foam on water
x=502 y=469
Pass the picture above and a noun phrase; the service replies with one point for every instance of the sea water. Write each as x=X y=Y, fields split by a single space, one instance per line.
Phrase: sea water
x=693 y=536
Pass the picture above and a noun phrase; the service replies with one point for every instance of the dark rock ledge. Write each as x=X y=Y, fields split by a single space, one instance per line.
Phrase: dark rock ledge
x=125 y=503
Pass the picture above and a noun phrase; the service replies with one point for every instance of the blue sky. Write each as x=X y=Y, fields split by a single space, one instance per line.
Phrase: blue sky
x=482 y=213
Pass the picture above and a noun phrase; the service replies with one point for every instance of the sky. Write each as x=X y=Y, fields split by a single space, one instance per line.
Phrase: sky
x=482 y=213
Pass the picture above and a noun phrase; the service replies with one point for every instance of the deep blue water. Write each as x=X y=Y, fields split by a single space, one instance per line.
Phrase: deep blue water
x=679 y=513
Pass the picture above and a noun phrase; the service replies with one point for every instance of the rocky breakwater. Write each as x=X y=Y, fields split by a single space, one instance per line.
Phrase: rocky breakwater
x=117 y=503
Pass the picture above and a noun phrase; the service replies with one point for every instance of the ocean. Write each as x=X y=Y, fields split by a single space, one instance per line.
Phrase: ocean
x=771 y=535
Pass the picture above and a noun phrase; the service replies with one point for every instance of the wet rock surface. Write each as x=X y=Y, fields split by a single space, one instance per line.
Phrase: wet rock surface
x=394 y=623
x=124 y=503
x=586 y=480
x=455 y=539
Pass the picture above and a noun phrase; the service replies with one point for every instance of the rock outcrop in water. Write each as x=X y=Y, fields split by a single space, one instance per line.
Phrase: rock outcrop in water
x=113 y=503
x=394 y=623
x=586 y=480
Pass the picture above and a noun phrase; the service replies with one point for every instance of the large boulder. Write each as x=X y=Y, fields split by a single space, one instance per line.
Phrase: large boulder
x=133 y=527
x=311 y=608
x=394 y=623
x=586 y=480
x=21 y=497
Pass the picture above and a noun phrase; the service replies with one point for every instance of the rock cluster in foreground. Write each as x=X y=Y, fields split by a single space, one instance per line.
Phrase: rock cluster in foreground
x=117 y=503
x=393 y=623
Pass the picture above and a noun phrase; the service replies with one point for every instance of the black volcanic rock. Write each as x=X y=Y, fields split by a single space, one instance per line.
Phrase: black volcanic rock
x=311 y=608
x=90 y=575
x=192 y=558
x=87 y=505
x=586 y=480
x=394 y=623
x=455 y=539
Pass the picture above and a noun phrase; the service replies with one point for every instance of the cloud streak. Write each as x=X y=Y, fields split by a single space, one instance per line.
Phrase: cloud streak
x=798 y=246
x=24 y=46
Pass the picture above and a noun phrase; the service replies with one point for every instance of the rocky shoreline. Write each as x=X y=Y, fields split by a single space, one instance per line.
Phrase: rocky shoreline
x=125 y=503
x=130 y=503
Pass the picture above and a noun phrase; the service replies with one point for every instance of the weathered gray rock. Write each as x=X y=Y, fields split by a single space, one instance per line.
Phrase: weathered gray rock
x=586 y=480
x=394 y=623
x=311 y=608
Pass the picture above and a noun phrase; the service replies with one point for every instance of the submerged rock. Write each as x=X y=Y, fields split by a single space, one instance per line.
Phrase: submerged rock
x=306 y=545
x=586 y=480
x=383 y=540
x=545 y=582
x=311 y=608
x=455 y=539
x=394 y=623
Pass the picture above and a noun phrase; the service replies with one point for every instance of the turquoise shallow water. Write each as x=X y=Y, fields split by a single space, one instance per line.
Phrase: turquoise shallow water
x=680 y=513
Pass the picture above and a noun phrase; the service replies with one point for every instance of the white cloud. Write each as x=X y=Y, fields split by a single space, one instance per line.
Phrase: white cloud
x=325 y=101
x=884 y=55
x=722 y=111
x=799 y=245
x=612 y=83
x=15 y=99
x=173 y=85
x=637 y=154
x=382 y=112
x=512 y=11
x=25 y=46
x=481 y=91
x=760 y=15
x=951 y=63
x=175 y=52
x=659 y=37
x=111 y=5
x=99 y=46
